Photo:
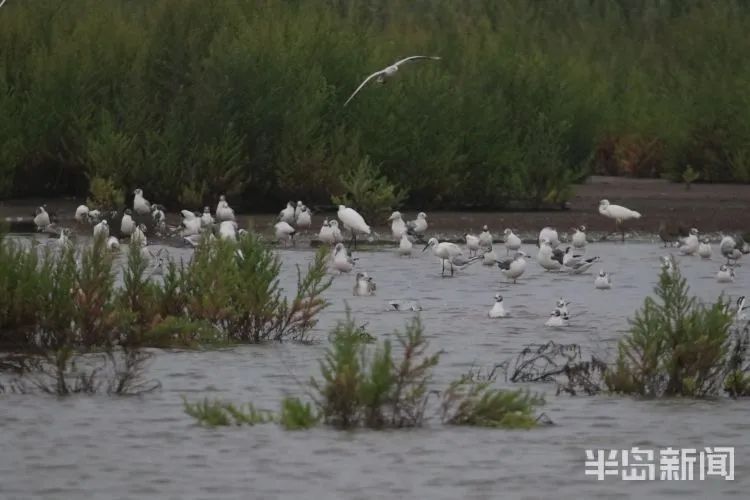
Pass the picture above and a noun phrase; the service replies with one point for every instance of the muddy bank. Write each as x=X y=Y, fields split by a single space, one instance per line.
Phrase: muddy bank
x=710 y=207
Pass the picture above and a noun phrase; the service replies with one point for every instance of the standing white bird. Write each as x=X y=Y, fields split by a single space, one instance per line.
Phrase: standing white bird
x=547 y=257
x=113 y=243
x=405 y=245
x=298 y=209
x=223 y=211
x=287 y=215
x=191 y=223
x=398 y=226
x=513 y=268
x=446 y=252
x=82 y=213
x=41 y=219
x=207 y=219
x=489 y=258
x=618 y=213
x=549 y=234
x=472 y=244
x=725 y=274
x=497 y=311
x=101 y=230
x=64 y=240
x=691 y=243
x=364 y=285
x=342 y=262
x=304 y=219
x=512 y=242
x=485 y=238
x=228 y=230
x=704 y=249
x=418 y=226
x=141 y=204
x=325 y=235
x=336 y=232
x=728 y=247
x=160 y=219
x=353 y=221
x=138 y=237
x=602 y=282
x=127 y=224
x=284 y=232
x=557 y=319
x=579 y=237
x=388 y=72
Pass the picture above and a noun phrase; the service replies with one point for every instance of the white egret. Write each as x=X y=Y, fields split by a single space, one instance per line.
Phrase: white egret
x=353 y=221
x=446 y=252
x=618 y=213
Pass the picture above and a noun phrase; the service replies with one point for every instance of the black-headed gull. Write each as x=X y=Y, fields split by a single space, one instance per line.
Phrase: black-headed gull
x=388 y=72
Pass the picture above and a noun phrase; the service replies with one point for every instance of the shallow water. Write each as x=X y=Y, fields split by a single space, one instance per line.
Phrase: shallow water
x=147 y=447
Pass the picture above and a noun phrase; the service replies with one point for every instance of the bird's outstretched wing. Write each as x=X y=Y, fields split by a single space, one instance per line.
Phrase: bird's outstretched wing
x=362 y=85
x=413 y=58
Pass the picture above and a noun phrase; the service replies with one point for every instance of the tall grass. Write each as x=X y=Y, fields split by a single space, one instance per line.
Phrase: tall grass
x=203 y=97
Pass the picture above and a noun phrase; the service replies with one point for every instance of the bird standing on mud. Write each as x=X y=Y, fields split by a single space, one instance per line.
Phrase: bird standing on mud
x=388 y=72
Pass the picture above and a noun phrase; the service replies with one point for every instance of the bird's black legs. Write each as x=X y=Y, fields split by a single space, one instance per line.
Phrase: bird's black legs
x=451 y=269
x=442 y=271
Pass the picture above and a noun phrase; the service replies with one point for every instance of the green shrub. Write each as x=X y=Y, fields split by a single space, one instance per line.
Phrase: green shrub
x=103 y=194
x=296 y=415
x=218 y=413
x=369 y=191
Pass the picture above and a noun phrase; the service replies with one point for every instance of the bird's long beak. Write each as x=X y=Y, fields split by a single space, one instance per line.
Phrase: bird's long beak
x=426 y=247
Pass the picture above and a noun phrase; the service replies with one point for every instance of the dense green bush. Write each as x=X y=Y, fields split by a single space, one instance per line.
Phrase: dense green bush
x=189 y=99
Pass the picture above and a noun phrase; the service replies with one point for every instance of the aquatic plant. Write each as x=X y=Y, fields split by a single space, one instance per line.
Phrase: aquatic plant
x=297 y=415
x=737 y=381
x=369 y=191
x=467 y=402
x=219 y=413
x=676 y=346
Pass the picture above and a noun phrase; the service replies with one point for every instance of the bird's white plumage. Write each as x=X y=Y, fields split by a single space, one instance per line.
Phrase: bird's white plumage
x=388 y=72
x=351 y=219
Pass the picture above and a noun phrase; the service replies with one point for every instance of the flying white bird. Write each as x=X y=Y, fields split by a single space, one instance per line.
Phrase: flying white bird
x=472 y=244
x=342 y=262
x=207 y=219
x=127 y=224
x=405 y=245
x=497 y=311
x=363 y=285
x=284 y=232
x=618 y=213
x=512 y=242
x=101 y=230
x=141 y=204
x=388 y=72
x=353 y=221
x=704 y=249
x=304 y=219
x=418 y=226
x=725 y=274
x=485 y=238
x=41 y=219
x=579 y=237
x=82 y=213
x=513 y=268
x=602 y=282
x=223 y=211
x=398 y=226
x=287 y=215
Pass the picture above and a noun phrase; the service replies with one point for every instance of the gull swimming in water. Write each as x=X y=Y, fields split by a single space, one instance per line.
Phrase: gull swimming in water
x=207 y=219
x=472 y=244
x=342 y=262
x=513 y=268
x=304 y=219
x=447 y=252
x=619 y=213
x=398 y=226
x=113 y=243
x=223 y=211
x=704 y=249
x=388 y=72
x=557 y=319
x=549 y=234
x=512 y=242
x=579 y=237
x=602 y=282
x=405 y=245
x=228 y=230
x=562 y=306
x=547 y=257
x=127 y=224
x=485 y=238
x=364 y=285
x=101 y=230
x=418 y=226
x=497 y=311
x=725 y=274
x=41 y=219
x=690 y=244
x=141 y=204
x=284 y=232
x=287 y=214
x=353 y=221
x=82 y=213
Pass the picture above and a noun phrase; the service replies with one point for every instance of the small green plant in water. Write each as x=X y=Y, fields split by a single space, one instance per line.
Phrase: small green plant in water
x=297 y=415
x=218 y=413
x=369 y=192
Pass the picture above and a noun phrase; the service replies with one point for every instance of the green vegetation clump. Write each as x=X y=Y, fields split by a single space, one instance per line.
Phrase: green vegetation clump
x=528 y=96
x=297 y=415
x=369 y=191
x=676 y=346
x=219 y=413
